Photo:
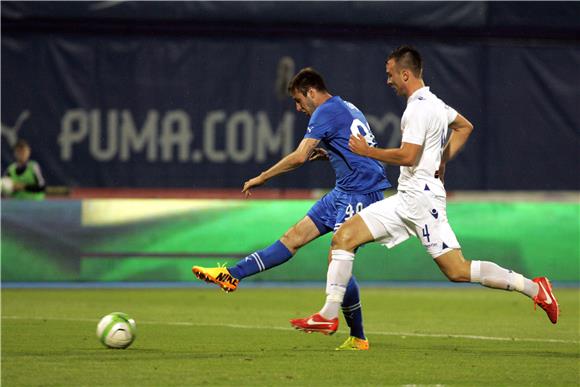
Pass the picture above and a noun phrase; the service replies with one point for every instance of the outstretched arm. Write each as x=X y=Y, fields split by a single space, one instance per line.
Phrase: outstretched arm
x=406 y=155
x=290 y=162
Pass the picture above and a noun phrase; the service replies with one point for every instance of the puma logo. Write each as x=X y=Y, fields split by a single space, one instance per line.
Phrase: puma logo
x=11 y=132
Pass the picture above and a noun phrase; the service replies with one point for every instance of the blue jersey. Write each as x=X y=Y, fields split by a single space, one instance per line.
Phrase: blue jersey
x=332 y=123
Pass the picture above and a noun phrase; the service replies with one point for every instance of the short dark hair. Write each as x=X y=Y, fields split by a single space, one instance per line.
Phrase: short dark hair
x=305 y=79
x=409 y=58
x=20 y=144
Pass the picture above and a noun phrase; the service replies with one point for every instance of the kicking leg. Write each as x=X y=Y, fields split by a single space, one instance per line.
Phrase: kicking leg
x=279 y=252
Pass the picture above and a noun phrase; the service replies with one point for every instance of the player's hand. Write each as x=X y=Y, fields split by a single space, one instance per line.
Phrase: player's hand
x=441 y=172
x=18 y=186
x=318 y=154
x=254 y=182
x=358 y=145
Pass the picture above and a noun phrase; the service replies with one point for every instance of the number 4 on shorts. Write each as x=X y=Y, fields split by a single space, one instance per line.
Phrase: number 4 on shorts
x=426 y=233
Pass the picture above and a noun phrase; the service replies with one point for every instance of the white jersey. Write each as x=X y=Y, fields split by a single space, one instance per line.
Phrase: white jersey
x=425 y=122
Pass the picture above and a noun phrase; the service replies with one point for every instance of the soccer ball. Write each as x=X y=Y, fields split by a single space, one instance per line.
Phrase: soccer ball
x=7 y=185
x=116 y=330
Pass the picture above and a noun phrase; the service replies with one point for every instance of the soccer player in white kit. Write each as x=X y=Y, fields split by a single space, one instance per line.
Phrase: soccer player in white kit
x=419 y=207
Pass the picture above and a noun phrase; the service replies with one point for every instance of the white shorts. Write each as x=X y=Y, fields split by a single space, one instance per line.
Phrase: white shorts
x=411 y=213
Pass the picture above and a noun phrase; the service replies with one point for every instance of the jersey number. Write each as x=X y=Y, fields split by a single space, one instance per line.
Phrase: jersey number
x=350 y=211
x=362 y=128
x=426 y=233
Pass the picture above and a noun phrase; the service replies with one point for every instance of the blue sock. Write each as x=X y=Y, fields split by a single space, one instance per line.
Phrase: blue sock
x=352 y=310
x=261 y=260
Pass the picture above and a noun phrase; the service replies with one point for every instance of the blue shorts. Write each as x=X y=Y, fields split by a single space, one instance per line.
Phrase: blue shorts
x=336 y=207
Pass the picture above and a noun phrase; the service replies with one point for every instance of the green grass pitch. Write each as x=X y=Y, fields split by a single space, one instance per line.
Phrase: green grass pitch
x=464 y=336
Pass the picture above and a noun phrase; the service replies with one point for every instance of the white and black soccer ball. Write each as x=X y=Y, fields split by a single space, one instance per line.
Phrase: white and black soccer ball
x=117 y=330
x=6 y=185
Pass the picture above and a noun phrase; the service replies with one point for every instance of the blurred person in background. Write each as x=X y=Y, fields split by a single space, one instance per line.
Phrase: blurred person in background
x=360 y=181
x=23 y=179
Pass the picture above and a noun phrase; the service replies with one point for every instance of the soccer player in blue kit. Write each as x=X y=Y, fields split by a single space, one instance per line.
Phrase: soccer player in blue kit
x=360 y=181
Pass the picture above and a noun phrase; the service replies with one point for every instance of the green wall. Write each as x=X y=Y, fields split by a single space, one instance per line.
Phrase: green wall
x=159 y=240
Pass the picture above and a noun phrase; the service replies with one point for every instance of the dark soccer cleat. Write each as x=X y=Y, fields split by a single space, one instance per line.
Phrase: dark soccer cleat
x=315 y=323
x=217 y=275
x=545 y=298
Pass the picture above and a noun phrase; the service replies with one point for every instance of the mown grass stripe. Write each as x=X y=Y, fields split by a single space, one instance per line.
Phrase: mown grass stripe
x=380 y=333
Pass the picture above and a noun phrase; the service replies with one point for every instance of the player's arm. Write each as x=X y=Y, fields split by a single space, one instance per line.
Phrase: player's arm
x=461 y=129
x=406 y=155
x=318 y=154
x=40 y=184
x=293 y=160
x=290 y=162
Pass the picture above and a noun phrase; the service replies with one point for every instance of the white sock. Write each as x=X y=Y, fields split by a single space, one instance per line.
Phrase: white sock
x=494 y=276
x=339 y=273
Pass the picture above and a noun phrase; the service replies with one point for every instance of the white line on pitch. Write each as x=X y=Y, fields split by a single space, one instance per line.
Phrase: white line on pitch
x=380 y=333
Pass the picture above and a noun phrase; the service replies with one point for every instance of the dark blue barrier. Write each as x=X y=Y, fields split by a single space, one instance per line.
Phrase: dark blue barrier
x=197 y=110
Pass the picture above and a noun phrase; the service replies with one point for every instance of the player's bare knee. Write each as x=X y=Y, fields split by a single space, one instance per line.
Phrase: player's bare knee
x=457 y=275
x=343 y=239
x=292 y=240
x=454 y=277
x=454 y=266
